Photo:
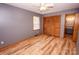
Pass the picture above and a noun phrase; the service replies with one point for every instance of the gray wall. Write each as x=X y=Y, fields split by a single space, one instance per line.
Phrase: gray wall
x=62 y=13
x=16 y=24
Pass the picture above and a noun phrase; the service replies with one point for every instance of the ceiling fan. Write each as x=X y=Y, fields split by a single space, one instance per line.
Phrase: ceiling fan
x=46 y=6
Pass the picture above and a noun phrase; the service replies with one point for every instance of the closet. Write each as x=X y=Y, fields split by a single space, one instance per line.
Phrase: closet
x=51 y=25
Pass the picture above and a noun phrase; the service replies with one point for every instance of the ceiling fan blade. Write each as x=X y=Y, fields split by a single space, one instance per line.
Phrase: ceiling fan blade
x=49 y=5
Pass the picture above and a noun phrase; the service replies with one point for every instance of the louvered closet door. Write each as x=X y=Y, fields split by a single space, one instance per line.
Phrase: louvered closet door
x=57 y=22
x=48 y=28
x=51 y=25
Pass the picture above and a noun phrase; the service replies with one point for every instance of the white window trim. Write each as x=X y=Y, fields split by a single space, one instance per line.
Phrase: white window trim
x=37 y=23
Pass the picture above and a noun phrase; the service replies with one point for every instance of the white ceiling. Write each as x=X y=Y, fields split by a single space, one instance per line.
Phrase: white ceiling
x=34 y=7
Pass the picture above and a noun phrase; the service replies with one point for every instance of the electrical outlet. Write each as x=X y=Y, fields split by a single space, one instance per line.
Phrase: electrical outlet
x=2 y=42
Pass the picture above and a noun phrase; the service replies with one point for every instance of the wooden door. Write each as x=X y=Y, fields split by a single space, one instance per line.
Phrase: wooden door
x=57 y=22
x=48 y=28
x=51 y=25
x=76 y=27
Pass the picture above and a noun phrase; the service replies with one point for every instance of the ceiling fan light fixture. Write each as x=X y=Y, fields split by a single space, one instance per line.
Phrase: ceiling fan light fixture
x=43 y=8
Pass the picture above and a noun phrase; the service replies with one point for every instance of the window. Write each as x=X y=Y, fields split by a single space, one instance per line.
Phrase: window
x=36 y=23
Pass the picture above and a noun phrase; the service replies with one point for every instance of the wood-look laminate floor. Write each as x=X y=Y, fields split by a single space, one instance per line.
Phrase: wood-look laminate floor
x=41 y=45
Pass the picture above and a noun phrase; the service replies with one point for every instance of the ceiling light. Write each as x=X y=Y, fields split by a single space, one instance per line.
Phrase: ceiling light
x=45 y=6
